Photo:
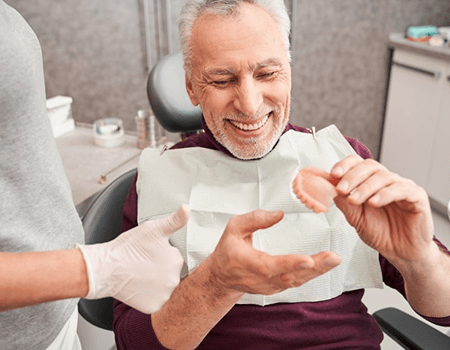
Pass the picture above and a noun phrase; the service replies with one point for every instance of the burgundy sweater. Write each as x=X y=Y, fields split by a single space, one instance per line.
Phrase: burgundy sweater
x=339 y=323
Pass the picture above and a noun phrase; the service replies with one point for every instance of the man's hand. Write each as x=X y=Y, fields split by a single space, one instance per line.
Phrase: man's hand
x=391 y=214
x=140 y=267
x=236 y=265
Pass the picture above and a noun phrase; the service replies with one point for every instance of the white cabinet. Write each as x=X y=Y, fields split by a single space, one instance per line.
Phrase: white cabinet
x=416 y=135
x=438 y=185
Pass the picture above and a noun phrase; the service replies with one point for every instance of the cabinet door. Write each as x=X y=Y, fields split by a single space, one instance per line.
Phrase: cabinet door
x=438 y=186
x=411 y=114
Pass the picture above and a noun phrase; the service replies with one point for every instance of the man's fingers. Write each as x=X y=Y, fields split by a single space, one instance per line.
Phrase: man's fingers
x=369 y=181
x=175 y=221
x=381 y=190
x=310 y=267
x=359 y=173
x=341 y=167
x=372 y=185
x=256 y=220
x=325 y=261
x=274 y=265
x=293 y=264
x=347 y=207
x=405 y=191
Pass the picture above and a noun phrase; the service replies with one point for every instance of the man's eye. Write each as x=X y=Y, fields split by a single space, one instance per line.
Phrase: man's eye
x=224 y=82
x=266 y=75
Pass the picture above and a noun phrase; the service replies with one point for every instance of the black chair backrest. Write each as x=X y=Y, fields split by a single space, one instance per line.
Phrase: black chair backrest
x=102 y=223
x=168 y=97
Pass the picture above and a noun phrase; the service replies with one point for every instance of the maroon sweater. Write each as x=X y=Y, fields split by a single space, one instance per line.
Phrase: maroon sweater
x=339 y=323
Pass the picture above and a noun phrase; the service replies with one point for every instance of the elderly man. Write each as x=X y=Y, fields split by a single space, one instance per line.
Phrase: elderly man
x=302 y=287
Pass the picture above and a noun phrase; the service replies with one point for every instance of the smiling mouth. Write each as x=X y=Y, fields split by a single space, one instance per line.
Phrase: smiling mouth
x=250 y=127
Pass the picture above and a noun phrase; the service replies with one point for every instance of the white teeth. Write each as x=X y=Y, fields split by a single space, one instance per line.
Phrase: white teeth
x=250 y=127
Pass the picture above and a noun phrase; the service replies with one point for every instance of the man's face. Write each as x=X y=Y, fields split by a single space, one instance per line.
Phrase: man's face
x=241 y=78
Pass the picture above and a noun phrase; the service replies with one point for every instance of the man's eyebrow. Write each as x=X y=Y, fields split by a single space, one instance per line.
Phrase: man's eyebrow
x=271 y=62
x=220 y=71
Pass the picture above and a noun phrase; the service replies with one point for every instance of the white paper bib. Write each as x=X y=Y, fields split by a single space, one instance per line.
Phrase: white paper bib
x=217 y=187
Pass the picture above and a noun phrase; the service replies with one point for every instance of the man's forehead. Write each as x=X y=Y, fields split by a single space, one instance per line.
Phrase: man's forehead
x=230 y=45
x=250 y=23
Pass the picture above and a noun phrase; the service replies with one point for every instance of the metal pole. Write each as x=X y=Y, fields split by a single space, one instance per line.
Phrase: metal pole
x=294 y=7
x=148 y=44
x=169 y=27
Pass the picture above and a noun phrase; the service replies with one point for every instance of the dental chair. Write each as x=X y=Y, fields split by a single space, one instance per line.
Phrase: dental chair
x=102 y=222
x=169 y=99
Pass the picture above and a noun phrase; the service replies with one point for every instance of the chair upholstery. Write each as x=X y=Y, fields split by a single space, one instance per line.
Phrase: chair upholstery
x=409 y=332
x=102 y=223
x=168 y=97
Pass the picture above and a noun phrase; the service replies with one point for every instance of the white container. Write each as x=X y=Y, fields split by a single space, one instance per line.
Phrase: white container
x=445 y=32
x=108 y=132
x=59 y=111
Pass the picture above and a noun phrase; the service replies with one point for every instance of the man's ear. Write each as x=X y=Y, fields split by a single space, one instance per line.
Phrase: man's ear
x=190 y=91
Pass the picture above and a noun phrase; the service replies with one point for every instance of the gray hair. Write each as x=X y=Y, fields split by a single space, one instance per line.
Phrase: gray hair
x=193 y=9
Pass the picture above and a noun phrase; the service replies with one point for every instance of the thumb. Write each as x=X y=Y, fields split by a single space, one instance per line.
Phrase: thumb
x=256 y=220
x=175 y=221
x=351 y=211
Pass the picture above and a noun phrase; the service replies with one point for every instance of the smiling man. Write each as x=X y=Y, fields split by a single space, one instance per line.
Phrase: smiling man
x=241 y=77
x=298 y=282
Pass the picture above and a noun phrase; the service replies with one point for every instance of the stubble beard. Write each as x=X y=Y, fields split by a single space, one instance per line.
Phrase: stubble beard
x=255 y=147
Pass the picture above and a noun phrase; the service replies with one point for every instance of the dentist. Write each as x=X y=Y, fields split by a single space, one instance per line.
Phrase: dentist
x=40 y=228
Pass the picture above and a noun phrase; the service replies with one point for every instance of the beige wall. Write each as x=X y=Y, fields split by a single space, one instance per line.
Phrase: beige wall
x=95 y=52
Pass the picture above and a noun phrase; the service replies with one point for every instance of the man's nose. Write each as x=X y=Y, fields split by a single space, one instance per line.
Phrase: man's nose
x=248 y=97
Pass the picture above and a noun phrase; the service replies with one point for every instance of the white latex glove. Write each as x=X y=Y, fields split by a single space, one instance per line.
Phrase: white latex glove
x=140 y=267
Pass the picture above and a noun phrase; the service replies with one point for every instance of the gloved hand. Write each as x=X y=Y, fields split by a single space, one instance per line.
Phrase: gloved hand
x=140 y=267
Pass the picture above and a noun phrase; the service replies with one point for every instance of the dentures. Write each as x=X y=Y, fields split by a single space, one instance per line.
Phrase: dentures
x=250 y=127
x=315 y=188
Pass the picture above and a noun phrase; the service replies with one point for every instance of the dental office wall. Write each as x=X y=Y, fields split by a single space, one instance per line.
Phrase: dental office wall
x=98 y=52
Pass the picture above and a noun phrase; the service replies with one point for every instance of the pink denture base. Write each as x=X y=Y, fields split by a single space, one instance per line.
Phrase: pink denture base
x=315 y=188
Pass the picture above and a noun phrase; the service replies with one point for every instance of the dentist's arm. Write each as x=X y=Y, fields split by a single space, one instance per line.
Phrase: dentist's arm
x=234 y=268
x=34 y=278
x=139 y=268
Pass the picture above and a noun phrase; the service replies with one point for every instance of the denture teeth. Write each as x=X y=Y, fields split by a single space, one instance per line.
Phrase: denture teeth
x=249 y=127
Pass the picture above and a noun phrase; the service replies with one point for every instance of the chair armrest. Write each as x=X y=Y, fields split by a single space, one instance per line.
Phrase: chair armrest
x=410 y=332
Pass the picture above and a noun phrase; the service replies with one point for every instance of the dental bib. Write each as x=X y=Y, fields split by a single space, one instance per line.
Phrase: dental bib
x=217 y=187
